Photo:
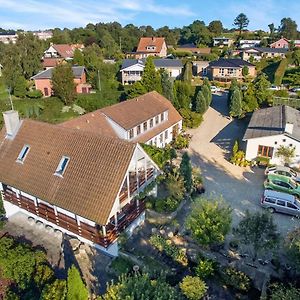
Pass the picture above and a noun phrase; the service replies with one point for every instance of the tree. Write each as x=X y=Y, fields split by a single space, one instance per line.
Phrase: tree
x=235 y=107
x=262 y=85
x=186 y=172
x=76 y=288
x=63 y=83
x=272 y=31
x=287 y=154
x=151 y=80
x=139 y=287
x=187 y=72
x=200 y=103
x=257 y=230
x=241 y=22
x=135 y=90
x=284 y=292
x=167 y=86
x=288 y=29
x=296 y=57
x=292 y=244
x=245 y=71
x=294 y=78
x=78 y=58
x=207 y=94
x=55 y=291
x=20 y=87
x=193 y=287
x=216 y=27
x=249 y=102
x=209 y=221
x=182 y=94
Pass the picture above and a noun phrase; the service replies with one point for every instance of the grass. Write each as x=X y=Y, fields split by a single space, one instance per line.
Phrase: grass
x=121 y=265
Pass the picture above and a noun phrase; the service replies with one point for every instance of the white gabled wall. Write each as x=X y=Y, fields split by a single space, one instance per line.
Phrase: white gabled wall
x=120 y=131
x=270 y=141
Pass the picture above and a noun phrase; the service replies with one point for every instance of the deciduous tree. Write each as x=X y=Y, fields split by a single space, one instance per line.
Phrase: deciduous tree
x=186 y=172
x=216 y=27
x=292 y=244
x=286 y=153
x=288 y=28
x=76 y=288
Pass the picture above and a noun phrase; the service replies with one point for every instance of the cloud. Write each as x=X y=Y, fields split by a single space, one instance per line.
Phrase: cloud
x=55 y=13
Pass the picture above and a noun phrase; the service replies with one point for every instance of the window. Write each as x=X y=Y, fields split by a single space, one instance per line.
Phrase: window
x=62 y=166
x=23 y=154
x=284 y=140
x=222 y=71
x=280 y=202
x=270 y=200
x=265 y=151
x=156 y=120
x=151 y=123
x=162 y=117
x=161 y=138
x=290 y=205
x=166 y=134
x=138 y=129
x=131 y=133
x=145 y=125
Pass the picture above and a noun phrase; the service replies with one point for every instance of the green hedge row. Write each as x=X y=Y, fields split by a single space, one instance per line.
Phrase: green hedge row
x=279 y=73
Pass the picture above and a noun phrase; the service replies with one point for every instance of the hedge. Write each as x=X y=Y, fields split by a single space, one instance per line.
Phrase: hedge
x=279 y=73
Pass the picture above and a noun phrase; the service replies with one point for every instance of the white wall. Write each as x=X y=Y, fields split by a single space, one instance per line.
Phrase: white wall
x=121 y=132
x=270 y=141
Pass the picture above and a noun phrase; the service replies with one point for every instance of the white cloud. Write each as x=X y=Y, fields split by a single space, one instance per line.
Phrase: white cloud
x=79 y=13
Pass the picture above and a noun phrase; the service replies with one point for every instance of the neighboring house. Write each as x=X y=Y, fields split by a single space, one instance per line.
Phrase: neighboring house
x=193 y=49
x=8 y=38
x=80 y=183
x=42 y=81
x=228 y=69
x=257 y=53
x=222 y=41
x=200 y=68
x=282 y=43
x=249 y=43
x=150 y=46
x=132 y=69
x=43 y=35
x=297 y=43
x=149 y=119
x=58 y=53
x=270 y=128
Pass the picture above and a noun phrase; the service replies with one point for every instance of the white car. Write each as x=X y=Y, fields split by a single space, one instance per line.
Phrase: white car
x=274 y=88
x=284 y=171
x=214 y=89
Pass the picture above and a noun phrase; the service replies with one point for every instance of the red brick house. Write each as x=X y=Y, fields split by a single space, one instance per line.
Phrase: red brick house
x=150 y=46
x=42 y=81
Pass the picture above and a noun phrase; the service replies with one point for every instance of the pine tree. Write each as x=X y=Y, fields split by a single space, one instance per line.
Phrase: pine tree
x=151 y=78
x=76 y=288
x=186 y=172
x=187 y=73
x=63 y=83
x=207 y=94
x=200 y=103
x=167 y=86
x=235 y=108
x=249 y=103
x=20 y=87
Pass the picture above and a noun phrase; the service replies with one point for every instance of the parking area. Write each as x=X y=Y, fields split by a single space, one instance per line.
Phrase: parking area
x=211 y=144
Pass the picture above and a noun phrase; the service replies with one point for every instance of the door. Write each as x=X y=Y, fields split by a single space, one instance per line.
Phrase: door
x=281 y=206
x=46 y=92
x=292 y=209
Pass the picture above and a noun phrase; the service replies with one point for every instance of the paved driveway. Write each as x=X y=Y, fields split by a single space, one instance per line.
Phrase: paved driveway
x=240 y=187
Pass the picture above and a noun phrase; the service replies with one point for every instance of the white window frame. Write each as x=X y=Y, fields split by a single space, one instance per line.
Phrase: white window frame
x=60 y=170
x=23 y=154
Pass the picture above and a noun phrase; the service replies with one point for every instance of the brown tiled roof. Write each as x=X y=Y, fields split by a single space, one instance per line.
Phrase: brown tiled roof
x=150 y=41
x=128 y=114
x=51 y=62
x=64 y=50
x=92 y=177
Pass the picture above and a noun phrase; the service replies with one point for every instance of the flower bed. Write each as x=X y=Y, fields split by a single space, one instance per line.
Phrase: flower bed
x=171 y=250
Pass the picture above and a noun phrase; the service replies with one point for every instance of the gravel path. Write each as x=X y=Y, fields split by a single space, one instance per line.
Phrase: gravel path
x=240 y=187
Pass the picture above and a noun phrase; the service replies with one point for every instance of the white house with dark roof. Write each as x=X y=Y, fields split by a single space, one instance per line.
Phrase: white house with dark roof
x=257 y=53
x=75 y=181
x=132 y=69
x=270 y=128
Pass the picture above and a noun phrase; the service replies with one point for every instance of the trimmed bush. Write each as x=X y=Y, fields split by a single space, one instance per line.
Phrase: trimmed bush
x=193 y=287
x=34 y=94
x=278 y=76
x=205 y=268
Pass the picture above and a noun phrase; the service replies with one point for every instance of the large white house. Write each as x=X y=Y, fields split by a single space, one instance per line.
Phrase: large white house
x=81 y=183
x=270 y=128
x=132 y=69
x=149 y=119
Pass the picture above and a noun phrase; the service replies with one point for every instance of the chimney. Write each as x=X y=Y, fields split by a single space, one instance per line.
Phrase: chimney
x=12 y=123
x=289 y=128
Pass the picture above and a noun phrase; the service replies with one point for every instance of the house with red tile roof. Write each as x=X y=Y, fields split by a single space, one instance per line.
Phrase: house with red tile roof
x=150 y=46
x=149 y=119
x=58 y=53
x=78 y=182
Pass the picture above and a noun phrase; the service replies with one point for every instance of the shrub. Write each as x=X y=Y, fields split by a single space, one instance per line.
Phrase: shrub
x=171 y=250
x=191 y=119
x=284 y=292
x=121 y=265
x=278 y=76
x=34 y=94
x=236 y=279
x=193 y=287
x=239 y=159
x=181 y=142
x=205 y=268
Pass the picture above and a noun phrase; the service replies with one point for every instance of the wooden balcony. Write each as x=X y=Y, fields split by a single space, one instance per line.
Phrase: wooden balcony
x=128 y=214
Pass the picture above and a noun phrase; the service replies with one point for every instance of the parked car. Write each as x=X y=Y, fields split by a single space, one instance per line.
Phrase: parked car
x=280 y=202
x=295 y=89
x=284 y=171
x=282 y=184
x=214 y=89
x=274 y=88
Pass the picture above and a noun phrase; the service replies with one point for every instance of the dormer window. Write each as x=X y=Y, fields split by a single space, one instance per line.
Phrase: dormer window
x=62 y=166
x=151 y=123
x=156 y=120
x=145 y=126
x=23 y=154
x=162 y=117
x=131 y=133
x=138 y=129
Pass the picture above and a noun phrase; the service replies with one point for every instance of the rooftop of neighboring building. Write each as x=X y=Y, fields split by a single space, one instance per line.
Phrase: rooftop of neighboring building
x=47 y=74
x=230 y=63
x=266 y=49
x=145 y=42
x=272 y=121
x=159 y=63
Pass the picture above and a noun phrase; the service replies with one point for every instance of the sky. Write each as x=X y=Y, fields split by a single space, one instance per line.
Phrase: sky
x=44 y=14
